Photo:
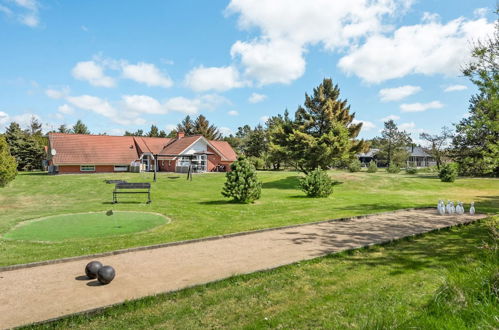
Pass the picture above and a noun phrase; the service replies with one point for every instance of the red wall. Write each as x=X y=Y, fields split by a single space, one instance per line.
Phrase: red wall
x=76 y=169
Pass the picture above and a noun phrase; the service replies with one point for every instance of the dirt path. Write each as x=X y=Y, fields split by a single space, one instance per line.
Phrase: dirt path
x=50 y=291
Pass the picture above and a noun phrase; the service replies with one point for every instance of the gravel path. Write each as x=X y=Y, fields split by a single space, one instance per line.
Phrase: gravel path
x=50 y=291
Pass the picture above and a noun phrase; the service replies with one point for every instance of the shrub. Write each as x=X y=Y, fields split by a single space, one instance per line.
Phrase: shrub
x=317 y=184
x=373 y=167
x=8 y=164
x=448 y=173
x=411 y=170
x=257 y=162
x=354 y=165
x=242 y=184
x=393 y=168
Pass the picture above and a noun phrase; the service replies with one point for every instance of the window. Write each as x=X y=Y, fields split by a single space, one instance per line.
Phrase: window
x=87 y=168
x=121 y=168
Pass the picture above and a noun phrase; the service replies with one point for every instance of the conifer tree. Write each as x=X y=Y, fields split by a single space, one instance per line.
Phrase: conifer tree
x=202 y=126
x=8 y=165
x=322 y=131
x=80 y=128
x=153 y=132
x=186 y=126
x=242 y=184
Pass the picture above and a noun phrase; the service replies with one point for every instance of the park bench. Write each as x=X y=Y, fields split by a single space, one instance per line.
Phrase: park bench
x=132 y=188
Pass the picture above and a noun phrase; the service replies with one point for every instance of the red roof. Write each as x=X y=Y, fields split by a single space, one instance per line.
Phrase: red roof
x=225 y=149
x=78 y=149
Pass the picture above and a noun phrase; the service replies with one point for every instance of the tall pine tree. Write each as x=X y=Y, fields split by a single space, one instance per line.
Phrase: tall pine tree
x=202 y=126
x=80 y=128
x=322 y=131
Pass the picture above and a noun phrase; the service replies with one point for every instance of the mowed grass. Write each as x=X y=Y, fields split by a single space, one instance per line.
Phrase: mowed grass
x=441 y=280
x=197 y=209
x=85 y=225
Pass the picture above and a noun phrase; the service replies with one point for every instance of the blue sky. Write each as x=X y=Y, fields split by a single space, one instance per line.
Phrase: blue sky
x=124 y=65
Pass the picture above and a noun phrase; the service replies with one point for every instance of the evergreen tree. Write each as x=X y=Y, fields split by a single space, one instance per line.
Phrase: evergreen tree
x=153 y=132
x=35 y=127
x=80 y=128
x=8 y=165
x=242 y=184
x=162 y=134
x=27 y=149
x=475 y=146
x=172 y=134
x=278 y=154
x=202 y=126
x=63 y=129
x=393 y=145
x=256 y=143
x=186 y=126
x=322 y=131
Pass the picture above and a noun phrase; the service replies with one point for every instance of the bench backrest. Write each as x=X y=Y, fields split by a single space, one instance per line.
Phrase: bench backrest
x=133 y=185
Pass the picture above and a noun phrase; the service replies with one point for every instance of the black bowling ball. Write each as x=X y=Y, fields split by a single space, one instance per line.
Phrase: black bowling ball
x=92 y=268
x=106 y=274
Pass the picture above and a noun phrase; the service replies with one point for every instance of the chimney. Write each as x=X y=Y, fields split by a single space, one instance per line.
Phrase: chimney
x=180 y=135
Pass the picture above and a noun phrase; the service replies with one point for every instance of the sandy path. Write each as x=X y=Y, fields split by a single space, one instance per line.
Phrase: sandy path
x=49 y=291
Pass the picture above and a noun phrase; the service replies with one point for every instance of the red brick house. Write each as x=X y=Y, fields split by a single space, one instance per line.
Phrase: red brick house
x=81 y=153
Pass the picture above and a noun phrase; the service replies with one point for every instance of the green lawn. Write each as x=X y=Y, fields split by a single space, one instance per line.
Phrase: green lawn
x=197 y=208
x=85 y=225
x=442 y=280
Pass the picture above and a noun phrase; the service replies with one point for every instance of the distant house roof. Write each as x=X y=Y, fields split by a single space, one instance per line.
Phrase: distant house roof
x=414 y=151
x=81 y=149
x=369 y=153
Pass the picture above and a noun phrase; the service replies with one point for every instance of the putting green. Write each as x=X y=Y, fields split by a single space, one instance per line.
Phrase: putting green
x=85 y=225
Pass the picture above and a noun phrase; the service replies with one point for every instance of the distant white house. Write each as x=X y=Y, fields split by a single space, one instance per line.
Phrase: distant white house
x=417 y=157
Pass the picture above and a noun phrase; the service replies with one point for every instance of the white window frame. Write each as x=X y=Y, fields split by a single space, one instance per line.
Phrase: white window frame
x=87 y=170
x=121 y=168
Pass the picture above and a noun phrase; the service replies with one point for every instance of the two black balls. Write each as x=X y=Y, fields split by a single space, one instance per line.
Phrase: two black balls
x=104 y=274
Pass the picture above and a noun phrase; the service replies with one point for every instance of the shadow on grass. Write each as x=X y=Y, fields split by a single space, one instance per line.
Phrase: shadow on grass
x=34 y=173
x=124 y=202
x=219 y=202
x=291 y=182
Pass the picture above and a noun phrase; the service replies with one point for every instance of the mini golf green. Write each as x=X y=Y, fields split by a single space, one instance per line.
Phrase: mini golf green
x=85 y=225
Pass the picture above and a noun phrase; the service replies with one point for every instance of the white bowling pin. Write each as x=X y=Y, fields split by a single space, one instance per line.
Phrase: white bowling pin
x=472 y=208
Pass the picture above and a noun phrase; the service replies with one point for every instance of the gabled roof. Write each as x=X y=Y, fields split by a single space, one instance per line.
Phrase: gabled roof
x=81 y=149
x=76 y=149
x=225 y=149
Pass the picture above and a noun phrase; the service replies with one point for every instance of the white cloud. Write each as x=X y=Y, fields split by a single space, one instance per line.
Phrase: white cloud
x=105 y=109
x=256 y=98
x=411 y=128
x=57 y=93
x=407 y=126
x=4 y=118
x=170 y=127
x=65 y=109
x=481 y=12
x=93 y=73
x=213 y=78
x=398 y=93
x=25 y=11
x=233 y=113
x=390 y=117
x=143 y=104
x=428 y=48
x=419 y=107
x=277 y=55
x=366 y=125
x=454 y=88
x=146 y=73
x=270 y=61
x=5 y=10
x=264 y=119
x=225 y=131
x=193 y=106
x=24 y=119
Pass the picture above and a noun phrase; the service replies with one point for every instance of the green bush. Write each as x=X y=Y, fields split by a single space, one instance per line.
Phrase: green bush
x=317 y=184
x=242 y=184
x=8 y=164
x=373 y=167
x=393 y=169
x=354 y=165
x=257 y=162
x=448 y=172
x=411 y=170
